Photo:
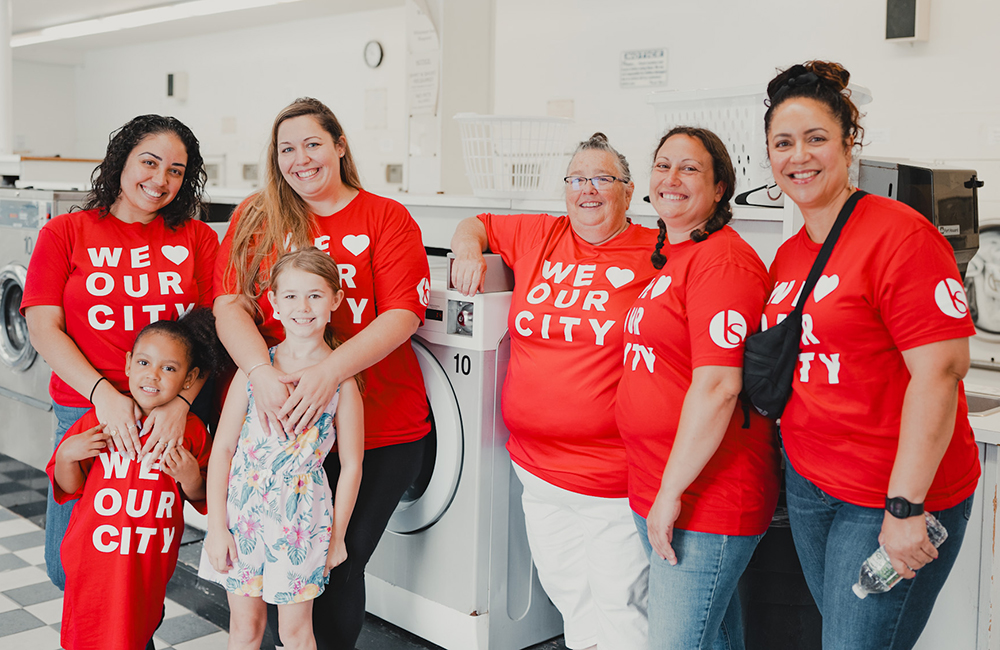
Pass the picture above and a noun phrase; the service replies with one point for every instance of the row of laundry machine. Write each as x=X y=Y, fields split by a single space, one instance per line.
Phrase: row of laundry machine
x=27 y=423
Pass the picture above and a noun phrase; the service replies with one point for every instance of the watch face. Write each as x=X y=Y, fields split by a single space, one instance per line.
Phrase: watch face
x=899 y=508
x=373 y=54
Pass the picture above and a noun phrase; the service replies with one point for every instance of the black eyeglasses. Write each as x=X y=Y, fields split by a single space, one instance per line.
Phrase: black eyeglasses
x=599 y=182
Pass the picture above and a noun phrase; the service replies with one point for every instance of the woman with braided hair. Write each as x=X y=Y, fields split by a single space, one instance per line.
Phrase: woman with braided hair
x=703 y=474
x=876 y=430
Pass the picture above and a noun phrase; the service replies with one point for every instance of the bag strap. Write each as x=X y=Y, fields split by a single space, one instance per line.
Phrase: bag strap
x=827 y=250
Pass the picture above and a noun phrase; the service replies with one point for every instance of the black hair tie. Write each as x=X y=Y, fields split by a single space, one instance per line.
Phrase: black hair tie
x=797 y=81
x=805 y=79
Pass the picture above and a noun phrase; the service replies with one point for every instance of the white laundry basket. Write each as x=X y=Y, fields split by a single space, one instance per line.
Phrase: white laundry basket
x=514 y=157
x=736 y=115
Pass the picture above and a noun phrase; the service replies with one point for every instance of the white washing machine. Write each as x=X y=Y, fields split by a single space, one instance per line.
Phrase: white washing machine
x=27 y=424
x=454 y=566
x=982 y=284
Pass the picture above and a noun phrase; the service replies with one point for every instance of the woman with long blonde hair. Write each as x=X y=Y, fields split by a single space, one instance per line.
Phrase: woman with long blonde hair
x=313 y=197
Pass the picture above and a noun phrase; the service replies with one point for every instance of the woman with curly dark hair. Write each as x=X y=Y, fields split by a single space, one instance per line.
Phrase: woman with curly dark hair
x=134 y=255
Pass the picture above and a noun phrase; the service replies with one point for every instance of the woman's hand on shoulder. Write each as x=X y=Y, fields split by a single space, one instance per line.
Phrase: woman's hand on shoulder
x=314 y=388
x=907 y=544
x=165 y=425
x=269 y=395
x=119 y=413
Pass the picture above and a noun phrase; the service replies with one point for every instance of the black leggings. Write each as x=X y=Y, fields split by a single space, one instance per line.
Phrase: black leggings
x=339 y=612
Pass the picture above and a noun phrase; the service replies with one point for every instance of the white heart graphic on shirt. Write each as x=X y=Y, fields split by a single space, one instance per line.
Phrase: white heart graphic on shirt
x=356 y=243
x=175 y=254
x=662 y=284
x=825 y=286
x=619 y=277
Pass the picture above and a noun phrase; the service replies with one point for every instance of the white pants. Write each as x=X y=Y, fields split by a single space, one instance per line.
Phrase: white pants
x=590 y=562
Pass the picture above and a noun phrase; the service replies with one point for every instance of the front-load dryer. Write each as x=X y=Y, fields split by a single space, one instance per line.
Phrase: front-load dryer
x=27 y=425
x=453 y=566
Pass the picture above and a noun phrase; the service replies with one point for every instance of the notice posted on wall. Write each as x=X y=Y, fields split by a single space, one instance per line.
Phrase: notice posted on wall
x=643 y=68
x=422 y=76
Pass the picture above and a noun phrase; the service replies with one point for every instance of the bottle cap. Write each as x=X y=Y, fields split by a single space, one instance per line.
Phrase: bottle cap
x=859 y=591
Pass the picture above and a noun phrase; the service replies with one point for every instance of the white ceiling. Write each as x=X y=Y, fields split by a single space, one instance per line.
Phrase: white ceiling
x=30 y=15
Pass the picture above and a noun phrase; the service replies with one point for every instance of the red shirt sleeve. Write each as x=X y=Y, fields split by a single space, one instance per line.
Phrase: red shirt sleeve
x=222 y=285
x=724 y=304
x=399 y=264
x=204 y=268
x=920 y=294
x=199 y=443
x=510 y=235
x=50 y=265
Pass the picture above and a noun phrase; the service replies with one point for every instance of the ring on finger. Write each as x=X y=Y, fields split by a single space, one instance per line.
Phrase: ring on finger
x=114 y=432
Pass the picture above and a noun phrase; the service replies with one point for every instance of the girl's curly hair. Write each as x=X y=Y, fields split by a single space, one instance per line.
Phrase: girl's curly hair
x=196 y=331
x=107 y=177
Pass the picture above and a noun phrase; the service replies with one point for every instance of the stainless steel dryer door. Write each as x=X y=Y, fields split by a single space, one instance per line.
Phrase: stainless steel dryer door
x=426 y=502
x=16 y=351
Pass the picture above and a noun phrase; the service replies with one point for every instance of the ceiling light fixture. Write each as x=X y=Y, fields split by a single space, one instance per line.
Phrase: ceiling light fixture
x=139 y=18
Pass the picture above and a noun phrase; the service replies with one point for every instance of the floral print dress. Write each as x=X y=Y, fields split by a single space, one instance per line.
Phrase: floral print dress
x=279 y=510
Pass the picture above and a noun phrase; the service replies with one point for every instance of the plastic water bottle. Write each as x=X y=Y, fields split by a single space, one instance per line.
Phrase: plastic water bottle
x=877 y=575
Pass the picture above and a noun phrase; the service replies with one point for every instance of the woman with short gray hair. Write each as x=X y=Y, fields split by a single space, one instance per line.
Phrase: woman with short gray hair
x=575 y=278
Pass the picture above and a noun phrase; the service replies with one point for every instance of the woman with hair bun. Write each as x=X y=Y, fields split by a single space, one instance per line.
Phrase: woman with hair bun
x=703 y=474
x=575 y=277
x=135 y=254
x=876 y=431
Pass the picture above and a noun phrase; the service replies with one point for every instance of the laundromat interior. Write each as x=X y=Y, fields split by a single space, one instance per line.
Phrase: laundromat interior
x=410 y=81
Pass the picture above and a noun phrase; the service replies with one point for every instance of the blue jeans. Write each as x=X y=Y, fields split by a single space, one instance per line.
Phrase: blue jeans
x=57 y=515
x=833 y=538
x=693 y=605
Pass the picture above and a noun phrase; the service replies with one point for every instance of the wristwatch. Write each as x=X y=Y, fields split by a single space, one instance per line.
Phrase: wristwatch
x=900 y=508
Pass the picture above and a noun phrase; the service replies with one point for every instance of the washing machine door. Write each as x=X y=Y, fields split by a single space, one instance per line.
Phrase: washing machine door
x=433 y=491
x=982 y=284
x=15 y=347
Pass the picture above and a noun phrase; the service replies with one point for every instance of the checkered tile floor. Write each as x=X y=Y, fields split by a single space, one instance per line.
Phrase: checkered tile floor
x=30 y=606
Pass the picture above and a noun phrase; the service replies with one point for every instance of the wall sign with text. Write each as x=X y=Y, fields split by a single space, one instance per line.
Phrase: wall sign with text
x=642 y=68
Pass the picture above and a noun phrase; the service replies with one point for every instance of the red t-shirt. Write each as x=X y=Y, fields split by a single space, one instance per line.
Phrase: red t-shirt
x=383 y=266
x=697 y=312
x=565 y=321
x=112 y=279
x=891 y=284
x=120 y=548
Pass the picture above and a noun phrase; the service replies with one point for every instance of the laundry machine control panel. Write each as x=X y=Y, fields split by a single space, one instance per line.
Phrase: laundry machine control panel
x=450 y=317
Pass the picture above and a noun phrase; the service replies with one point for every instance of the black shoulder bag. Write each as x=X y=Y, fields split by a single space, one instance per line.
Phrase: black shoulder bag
x=770 y=356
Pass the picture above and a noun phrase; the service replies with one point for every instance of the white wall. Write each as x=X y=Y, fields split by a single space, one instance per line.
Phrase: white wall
x=44 y=109
x=932 y=101
x=247 y=76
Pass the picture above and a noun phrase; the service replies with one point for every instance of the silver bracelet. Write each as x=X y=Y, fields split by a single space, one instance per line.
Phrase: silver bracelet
x=262 y=363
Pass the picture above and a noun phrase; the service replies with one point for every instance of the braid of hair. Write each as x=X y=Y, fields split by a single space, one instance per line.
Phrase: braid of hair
x=722 y=215
x=658 y=258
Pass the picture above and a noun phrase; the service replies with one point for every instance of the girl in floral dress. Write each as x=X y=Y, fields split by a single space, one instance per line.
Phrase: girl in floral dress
x=274 y=529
